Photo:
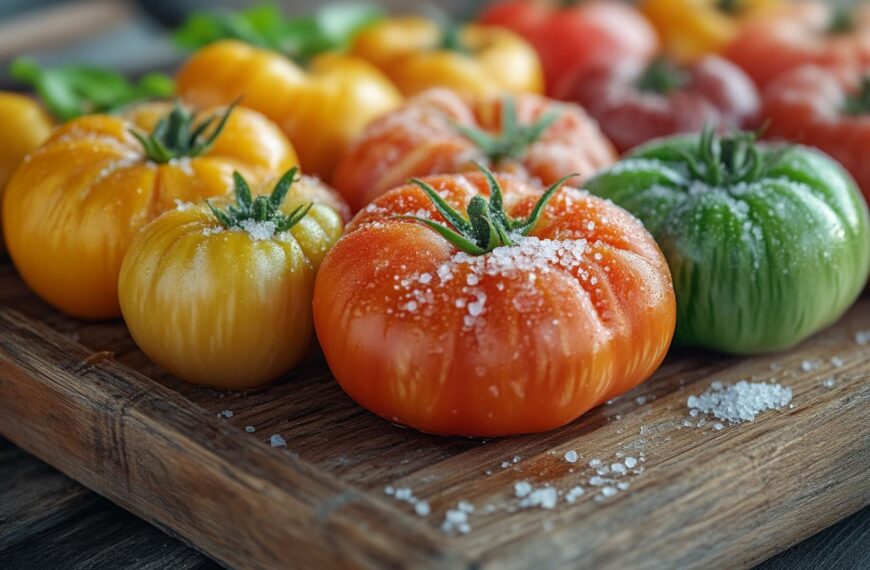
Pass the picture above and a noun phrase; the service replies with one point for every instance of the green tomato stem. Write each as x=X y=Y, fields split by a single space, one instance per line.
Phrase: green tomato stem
x=174 y=136
x=662 y=77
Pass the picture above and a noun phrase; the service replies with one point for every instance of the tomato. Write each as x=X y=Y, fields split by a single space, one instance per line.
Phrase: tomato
x=72 y=208
x=634 y=102
x=766 y=245
x=692 y=28
x=23 y=126
x=570 y=38
x=223 y=297
x=801 y=33
x=441 y=132
x=517 y=318
x=320 y=107
x=826 y=108
x=418 y=54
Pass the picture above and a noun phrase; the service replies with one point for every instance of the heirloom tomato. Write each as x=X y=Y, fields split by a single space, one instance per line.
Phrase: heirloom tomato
x=826 y=108
x=74 y=204
x=766 y=245
x=800 y=33
x=515 y=316
x=691 y=28
x=23 y=126
x=320 y=107
x=569 y=38
x=440 y=131
x=634 y=102
x=223 y=297
x=418 y=54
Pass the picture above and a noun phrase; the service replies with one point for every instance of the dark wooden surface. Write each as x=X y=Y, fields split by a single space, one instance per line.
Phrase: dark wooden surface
x=50 y=521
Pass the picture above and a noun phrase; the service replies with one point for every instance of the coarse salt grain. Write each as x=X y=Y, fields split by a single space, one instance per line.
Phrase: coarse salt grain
x=571 y=456
x=630 y=462
x=543 y=497
x=422 y=508
x=225 y=414
x=522 y=489
x=595 y=463
x=275 y=440
x=258 y=230
x=250 y=429
x=574 y=493
x=862 y=338
x=829 y=382
x=742 y=401
x=456 y=520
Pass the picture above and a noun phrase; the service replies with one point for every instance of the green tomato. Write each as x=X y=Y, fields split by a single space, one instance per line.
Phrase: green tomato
x=766 y=244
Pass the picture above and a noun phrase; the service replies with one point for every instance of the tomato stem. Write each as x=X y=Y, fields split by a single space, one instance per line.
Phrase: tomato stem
x=842 y=21
x=487 y=226
x=859 y=104
x=73 y=91
x=662 y=77
x=727 y=160
x=730 y=7
x=513 y=138
x=174 y=136
x=261 y=208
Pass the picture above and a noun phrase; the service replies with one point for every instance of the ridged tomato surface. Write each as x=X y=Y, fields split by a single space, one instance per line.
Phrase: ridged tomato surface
x=522 y=339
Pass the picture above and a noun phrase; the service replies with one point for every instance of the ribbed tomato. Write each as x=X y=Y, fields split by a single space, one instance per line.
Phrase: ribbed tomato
x=635 y=102
x=826 y=108
x=73 y=206
x=801 y=33
x=517 y=318
x=440 y=131
x=223 y=298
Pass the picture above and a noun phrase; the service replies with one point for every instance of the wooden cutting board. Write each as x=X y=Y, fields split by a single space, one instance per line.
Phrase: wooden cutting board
x=80 y=396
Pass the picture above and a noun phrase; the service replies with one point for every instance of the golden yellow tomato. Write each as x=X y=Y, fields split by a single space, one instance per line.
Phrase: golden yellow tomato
x=73 y=206
x=418 y=54
x=24 y=124
x=321 y=108
x=223 y=298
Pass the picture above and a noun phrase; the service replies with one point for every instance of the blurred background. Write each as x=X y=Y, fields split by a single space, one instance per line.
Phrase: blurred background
x=133 y=35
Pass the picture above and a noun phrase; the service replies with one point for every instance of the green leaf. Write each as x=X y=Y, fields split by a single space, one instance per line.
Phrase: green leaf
x=530 y=222
x=460 y=241
x=453 y=217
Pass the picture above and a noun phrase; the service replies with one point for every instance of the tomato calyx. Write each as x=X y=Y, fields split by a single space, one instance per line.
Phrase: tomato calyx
x=451 y=38
x=859 y=104
x=76 y=90
x=728 y=160
x=175 y=136
x=513 y=139
x=262 y=208
x=662 y=77
x=730 y=7
x=487 y=226
x=842 y=21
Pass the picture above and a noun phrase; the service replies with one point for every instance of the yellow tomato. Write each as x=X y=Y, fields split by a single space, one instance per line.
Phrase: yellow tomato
x=321 y=108
x=228 y=307
x=690 y=29
x=23 y=126
x=418 y=54
x=73 y=206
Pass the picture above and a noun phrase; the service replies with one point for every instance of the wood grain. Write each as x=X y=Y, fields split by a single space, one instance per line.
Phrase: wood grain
x=158 y=448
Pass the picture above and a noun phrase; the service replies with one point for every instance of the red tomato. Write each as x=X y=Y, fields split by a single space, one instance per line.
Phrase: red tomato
x=799 y=33
x=431 y=134
x=634 y=103
x=827 y=108
x=571 y=38
x=518 y=337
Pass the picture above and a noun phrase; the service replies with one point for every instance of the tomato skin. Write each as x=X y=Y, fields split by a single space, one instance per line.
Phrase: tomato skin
x=223 y=309
x=320 y=108
x=690 y=29
x=24 y=125
x=570 y=39
x=418 y=139
x=543 y=350
x=717 y=93
x=806 y=105
x=407 y=50
x=73 y=206
x=797 y=34
x=759 y=264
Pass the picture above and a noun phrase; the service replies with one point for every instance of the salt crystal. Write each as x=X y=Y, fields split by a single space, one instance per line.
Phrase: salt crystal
x=641 y=400
x=456 y=520
x=465 y=507
x=250 y=429
x=522 y=489
x=225 y=414
x=389 y=490
x=623 y=485
x=608 y=491
x=505 y=464
x=862 y=338
x=809 y=365
x=574 y=493
x=571 y=456
x=837 y=362
x=543 y=497
x=276 y=440
x=618 y=468
x=595 y=463
x=718 y=426
x=422 y=508
x=403 y=493
x=630 y=462
x=829 y=382
x=597 y=481
x=258 y=230
x=742 y=401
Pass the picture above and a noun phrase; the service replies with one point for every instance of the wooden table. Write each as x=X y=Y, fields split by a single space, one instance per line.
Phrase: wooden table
x=50 y=521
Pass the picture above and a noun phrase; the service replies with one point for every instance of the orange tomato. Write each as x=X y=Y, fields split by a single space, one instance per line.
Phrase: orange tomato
x=430 y=135
x=320 y=108
x=522 y=338
x=72 y=208
x=417 y=54
x=24 y=124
